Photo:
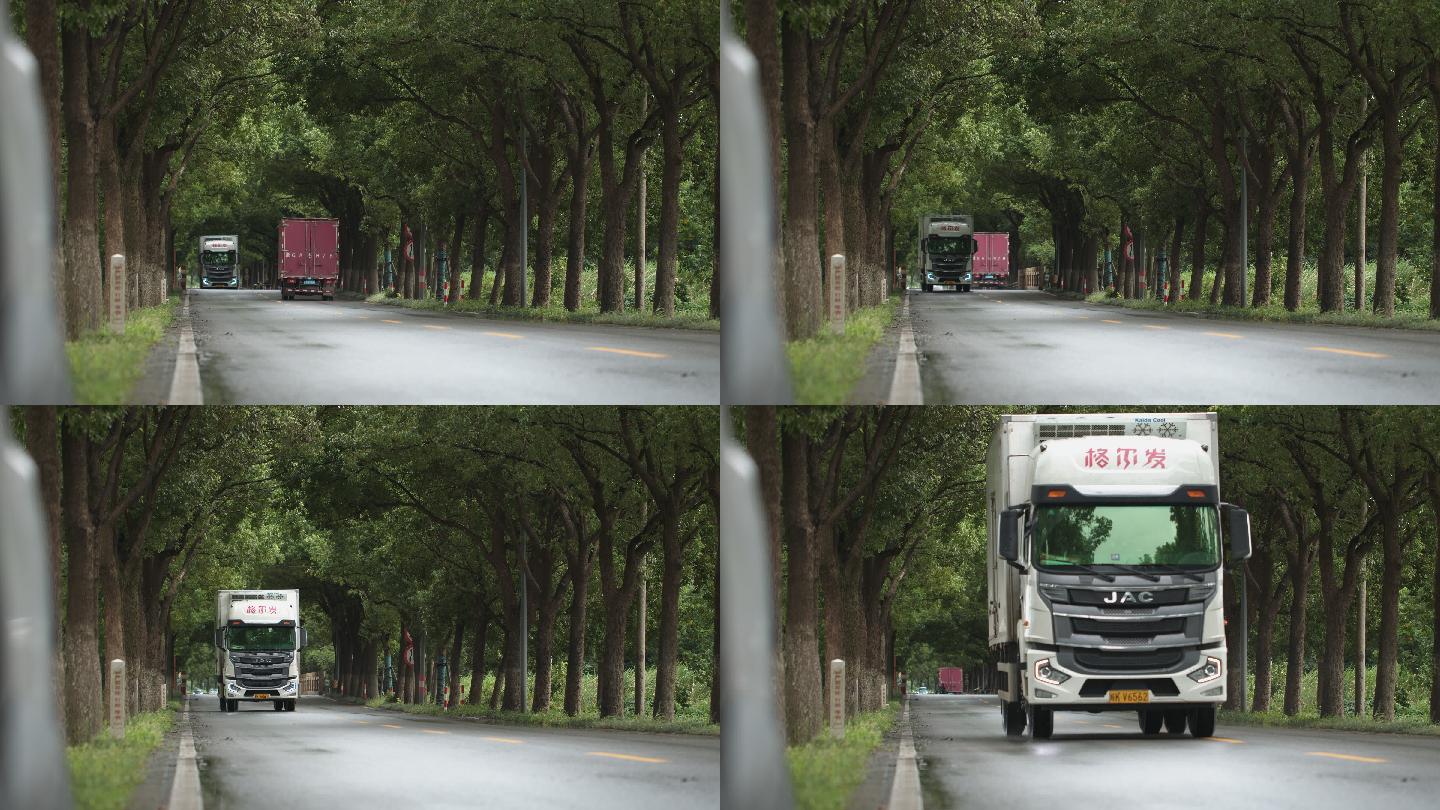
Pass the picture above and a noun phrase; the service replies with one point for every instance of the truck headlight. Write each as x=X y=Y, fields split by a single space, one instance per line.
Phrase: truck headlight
x=1048 y=674
x=967 y=276
x=1209 y=672
x=289 y=687
x=233 y=687
x=929 y=276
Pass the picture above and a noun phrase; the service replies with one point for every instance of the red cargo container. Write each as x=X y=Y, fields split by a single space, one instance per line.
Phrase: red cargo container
x=952 y=679
x=309 y=257
x=991 y=266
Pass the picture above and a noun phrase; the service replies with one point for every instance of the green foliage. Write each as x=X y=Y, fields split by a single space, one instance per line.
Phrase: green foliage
x=104 y=772
x=106 y=366
x=826 y=367
x=824 y=772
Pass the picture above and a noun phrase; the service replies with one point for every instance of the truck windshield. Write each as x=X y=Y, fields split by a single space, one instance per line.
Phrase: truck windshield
x=261 y=638
x=1182 y=536
x=217 y=257
x=949 y=245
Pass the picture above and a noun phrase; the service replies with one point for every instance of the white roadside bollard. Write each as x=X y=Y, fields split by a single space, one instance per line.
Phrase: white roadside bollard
x=837 y=699
x=837 y=294
x=117 y=294
x=117 y=698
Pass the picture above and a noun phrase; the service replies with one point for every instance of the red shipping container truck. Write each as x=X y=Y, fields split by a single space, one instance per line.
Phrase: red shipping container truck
x=952 y=679
x=309 y=257
x=991 y=265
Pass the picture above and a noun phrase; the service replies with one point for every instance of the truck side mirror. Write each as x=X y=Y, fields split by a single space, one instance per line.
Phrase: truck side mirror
x=1010 y=536
x=219 y=637
x=302 y=638
x=1238 y=526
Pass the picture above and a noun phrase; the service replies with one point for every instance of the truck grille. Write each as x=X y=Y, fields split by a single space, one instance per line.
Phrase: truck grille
x=1153 y=627
x=262 y=670
x=1052 y=430
x=1137 y=660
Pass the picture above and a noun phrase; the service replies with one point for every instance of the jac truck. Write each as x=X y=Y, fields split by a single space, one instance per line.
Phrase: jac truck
x=952 y=680
x=218 y=258
x=947 y=243
x=309 y=257
x=990 y=266
x=258 y=639
x=1106 y=590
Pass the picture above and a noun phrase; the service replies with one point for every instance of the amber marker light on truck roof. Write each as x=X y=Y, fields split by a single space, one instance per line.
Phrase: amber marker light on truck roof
x=1055 y=493
x=1195 y=493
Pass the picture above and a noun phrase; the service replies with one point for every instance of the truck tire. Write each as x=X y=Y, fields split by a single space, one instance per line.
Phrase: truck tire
x=1042 y=723
x=1202 y=721
x=928 y=287
x=290 y=705
x=1150 y=721
x=966 y=288
x=1175 y=721
x=1014 y=719
x=279 y=705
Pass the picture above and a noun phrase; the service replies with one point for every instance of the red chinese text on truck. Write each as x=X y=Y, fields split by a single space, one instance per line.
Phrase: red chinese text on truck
x=952 y=680
x=991 y=264
x=309 y=257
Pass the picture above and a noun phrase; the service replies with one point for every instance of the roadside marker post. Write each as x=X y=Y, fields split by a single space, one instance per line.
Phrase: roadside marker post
x=837 y=699
x=117 y=294
x=837 y=294
x=117 y=698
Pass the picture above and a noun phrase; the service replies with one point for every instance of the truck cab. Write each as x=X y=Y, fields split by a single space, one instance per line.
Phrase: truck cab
x=1106 y=578
x=219 y=257
x=258 y=639
x=947 y=246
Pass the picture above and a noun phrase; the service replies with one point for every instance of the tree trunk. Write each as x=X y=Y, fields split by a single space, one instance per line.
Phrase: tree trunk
x=672 y=573
x=667 y=258
x=803 y=696
x=1394 y=156
x=477 y=651
x=1295 y=646
x=802 y=272
x=83 y=276
x=575 y=649
x=83 y=695
x=1197 y=247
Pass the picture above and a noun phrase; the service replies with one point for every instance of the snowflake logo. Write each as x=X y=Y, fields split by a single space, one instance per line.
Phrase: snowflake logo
x=1142 y=429
x=1169 y=430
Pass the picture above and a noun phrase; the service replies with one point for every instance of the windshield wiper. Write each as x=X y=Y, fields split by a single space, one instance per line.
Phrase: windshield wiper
x=1175 y=569
x=1088 y=570
x=1136 y=571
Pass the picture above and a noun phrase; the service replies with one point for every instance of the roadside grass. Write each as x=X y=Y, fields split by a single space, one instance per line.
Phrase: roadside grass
x=692 y=301
x=826 y=367
x=105 y=367
x=824 y=772
x=1308 y=313
x=104 y=772
x=1403 y=724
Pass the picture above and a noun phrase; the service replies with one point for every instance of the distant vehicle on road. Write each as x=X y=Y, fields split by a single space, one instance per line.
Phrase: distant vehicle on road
x=219 y=256
x=952 y=680
x=258 y=639
x=1104 y=564
x=991 y=264
x=309 y=257
x=922 y=690
x=947 y=243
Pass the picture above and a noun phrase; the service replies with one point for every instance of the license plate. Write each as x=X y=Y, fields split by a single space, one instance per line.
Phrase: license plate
x=310 y=282
x=943 y=287
x=1129 y=695
x=265 y=696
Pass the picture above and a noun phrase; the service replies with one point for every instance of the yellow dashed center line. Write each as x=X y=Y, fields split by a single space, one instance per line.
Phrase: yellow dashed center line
x=389 y=725
x=1152 y=326
x=630 y=352
x=1350 y=352
x=1351 y=757
x=432 y=731
x=362 y=722
x=510 y=335
x=627 y=757
x=387 y=320
x=431 y=326
x=1107 y=320
x=1112 y=725
x=1230 y=335
x=1225 y=739
x=1083 y=317
x=510 y=740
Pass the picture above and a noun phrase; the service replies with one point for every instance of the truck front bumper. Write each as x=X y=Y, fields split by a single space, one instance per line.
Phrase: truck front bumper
x=1191 y=685
x=235 y=691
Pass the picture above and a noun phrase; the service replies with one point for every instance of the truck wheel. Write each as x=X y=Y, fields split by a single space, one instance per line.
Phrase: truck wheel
x=1202 y=721
x=290 y=705
x=966 y=288
x=1150 y=721
x=1014 y=716
x=1042 y=723
x=1175 y=721
x=927 y=287
x=279 y=705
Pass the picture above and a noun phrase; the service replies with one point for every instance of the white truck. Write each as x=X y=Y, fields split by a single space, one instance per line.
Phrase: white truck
x=219 y=257
x=1106 y=590
x=258 y=639
x=947 y=244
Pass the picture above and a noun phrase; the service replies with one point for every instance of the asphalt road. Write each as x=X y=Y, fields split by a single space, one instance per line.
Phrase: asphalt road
x=1028 y=347
x=1103 y=761
x=255 y=348
x=326 y=754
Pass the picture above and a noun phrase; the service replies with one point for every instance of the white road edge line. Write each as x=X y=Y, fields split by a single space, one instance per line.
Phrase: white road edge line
x=185 y=790
x=905 y=790
x=185 y=385
x=905 y=385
